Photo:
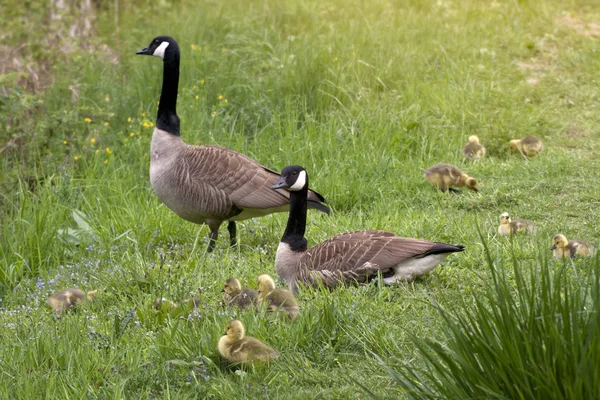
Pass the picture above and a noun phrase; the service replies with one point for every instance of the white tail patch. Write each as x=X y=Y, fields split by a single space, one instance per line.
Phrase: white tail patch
x=300 y=182
x=160 y=50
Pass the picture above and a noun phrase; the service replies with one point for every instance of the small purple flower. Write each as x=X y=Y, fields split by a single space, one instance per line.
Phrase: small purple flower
x=90 y=248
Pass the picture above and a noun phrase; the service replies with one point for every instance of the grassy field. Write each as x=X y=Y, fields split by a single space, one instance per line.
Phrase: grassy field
x=365 y=95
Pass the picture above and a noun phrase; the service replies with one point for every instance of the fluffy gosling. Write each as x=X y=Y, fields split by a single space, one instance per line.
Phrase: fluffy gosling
x=162 y=303
x=276 y=298
x=235 y=296
x=62 y=301
x=510 y=226
x=561 y=247
x=529 y=146
x=473 y=150
x=444 y=176
x=235 y=346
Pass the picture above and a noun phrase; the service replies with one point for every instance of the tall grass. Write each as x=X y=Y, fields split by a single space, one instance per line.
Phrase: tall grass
x=532 y=335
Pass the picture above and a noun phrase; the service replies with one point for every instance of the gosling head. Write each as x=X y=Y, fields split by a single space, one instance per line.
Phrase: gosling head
x=514 y=145
x=91 y=294
x=504 y=218
x=473 y=139
x=471 y=183
x=293 y=178
x=235 y=330
x=232 y=287
x=164 y=47
x=266 y=285
x=559 y=241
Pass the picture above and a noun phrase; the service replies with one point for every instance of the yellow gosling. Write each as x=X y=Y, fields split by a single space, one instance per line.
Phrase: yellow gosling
x=62 y=301
x=235 y=346
x=510 y=226
x=235 y=296
x=529 y=146
x=276 y=299
x=446 y=176
x=561 y=247
x=473 y=150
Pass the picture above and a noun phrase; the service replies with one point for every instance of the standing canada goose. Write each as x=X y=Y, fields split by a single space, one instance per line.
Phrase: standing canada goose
x=473 y=150
x=65 y=299
x=444 y=176
x=235 y=346
x=206 y=184
x=510 y=226
x=529 y=146
x=236 y=296
x=352 y=256
x=275 y=298
x=561 y=247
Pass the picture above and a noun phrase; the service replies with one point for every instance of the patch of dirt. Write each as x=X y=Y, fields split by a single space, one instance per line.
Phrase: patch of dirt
x=569 y=22
x=575 y=131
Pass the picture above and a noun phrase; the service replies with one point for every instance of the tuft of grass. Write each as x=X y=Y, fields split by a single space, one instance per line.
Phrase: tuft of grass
x=534 y=335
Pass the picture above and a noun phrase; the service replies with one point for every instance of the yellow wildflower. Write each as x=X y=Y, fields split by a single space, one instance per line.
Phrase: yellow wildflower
x=145 y=124
x=194 y=87
x=213 y=114
x=106 y=124
x=151 y=124
x=76 y=158
x=194 y=47
x=129 y=119
x=225 y=100
x=97 y=151
x=197 y=97
x=220 y=97
x=88 y=120
x=108 y=151
x=131 y=134
x=144 y=114
x=64 y=142
x=202 y=82
x=105 y=161
x=92 y=140
x=107 y=99
x=335 y=59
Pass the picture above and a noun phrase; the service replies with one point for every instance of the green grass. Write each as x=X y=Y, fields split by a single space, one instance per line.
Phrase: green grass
x=365 y=96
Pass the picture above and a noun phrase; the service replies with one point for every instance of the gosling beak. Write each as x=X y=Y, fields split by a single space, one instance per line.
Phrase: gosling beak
x=476 y=190
x=553 y=247
x=280 y=184
x=222 y=290
x=144 y=51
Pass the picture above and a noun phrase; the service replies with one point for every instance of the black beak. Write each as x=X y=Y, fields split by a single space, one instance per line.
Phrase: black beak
x=281 y=184
x=553 y=247
x=144 y=51
x=222 y=290
x=476 y=190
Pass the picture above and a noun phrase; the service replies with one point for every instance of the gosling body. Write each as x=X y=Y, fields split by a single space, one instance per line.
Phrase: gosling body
x=473 y=150
x=236 y=296
x=529 y=146
x=276 y=299
x=561 y=247
x=447 y=176
x=235 y=346
x=62 y=301
x=510 y=226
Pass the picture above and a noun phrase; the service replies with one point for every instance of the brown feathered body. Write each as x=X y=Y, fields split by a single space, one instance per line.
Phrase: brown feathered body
x=65 y=299
x=510 y=226
x=235 y=296
x=276 y=299
x=235 y=346
x=358 y=256
x=473 y=150
x=571 y=248
x=530 y=146
x=445 y=176
x=211 y=184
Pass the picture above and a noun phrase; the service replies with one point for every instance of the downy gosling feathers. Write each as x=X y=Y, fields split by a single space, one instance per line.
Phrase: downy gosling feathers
x=510 y=226
x=473 y=150
x=352 y=256
x=236 y=296
x=445 y=176
x=235 y=346
x=68 y=298
x=206 y=184
x=529 y=146
x=276 y=299
x=561 y=247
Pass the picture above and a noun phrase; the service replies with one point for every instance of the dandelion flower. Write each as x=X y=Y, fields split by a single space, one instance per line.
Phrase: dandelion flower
x=225 y=100
x=88 y=120
x=108 y=151
x=97 y=151
x=194 y=47
x=92 y=140
x=106 y=124
x=107 y=99
x=129 y=119
x=76 y=158
x=65 y=142
x=220 y=97
x=197 y=97
x=151 y=124
x=202 y=82
x=131 y=134
x=106 y=161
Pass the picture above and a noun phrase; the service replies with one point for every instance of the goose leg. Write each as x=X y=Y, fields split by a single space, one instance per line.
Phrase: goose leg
x=453 y=190
x=213 y=235
x=232 y=229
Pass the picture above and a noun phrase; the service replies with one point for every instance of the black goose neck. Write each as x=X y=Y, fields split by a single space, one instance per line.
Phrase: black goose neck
x=296 y=225
x=167 y=119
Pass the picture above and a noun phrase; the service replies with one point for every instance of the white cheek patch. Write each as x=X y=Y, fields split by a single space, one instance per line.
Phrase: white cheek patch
x=300 y=182
x=160 y=50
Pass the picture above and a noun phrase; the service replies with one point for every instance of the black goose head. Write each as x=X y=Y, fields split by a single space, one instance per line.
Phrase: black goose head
x=293 y=178
x=164 y=47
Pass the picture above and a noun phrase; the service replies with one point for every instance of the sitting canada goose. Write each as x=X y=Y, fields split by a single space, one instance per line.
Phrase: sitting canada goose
x=444 y=176
x=65 y=299
x=561 y=247
x=236 y=347
x=275 y=298
x=352 y=256
x=473 y=150
x=510 y=226
x=529 y=146
x=236 y=296
x=206 y=184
